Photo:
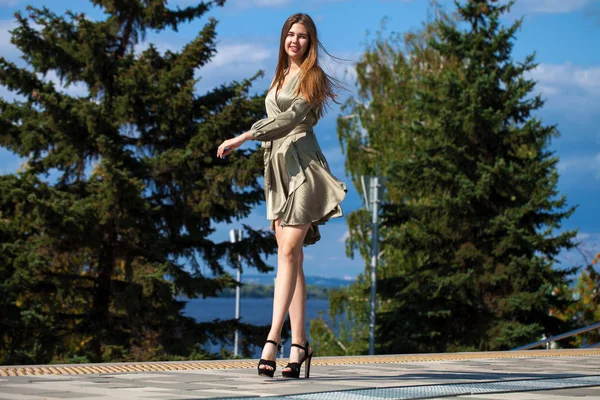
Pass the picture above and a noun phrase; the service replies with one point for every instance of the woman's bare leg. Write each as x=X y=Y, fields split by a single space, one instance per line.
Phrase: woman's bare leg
x=289 y=243
x=298 y=313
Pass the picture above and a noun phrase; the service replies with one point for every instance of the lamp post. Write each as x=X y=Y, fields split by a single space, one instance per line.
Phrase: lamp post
x=372 y=187
x=236 y=236
x=373 y=191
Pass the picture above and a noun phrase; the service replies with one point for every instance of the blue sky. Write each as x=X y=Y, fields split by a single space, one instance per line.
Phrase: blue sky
x=564 y=34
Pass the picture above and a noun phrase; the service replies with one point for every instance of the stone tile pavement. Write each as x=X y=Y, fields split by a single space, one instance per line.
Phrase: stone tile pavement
x=453 y=379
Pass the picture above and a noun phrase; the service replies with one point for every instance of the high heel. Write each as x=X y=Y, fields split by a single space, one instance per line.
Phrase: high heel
x=268 y=363
x=295 y=367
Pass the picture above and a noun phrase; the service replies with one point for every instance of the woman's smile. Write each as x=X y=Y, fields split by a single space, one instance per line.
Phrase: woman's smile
x=296 y=42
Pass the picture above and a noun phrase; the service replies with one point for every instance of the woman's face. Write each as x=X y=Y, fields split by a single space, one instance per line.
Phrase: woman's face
x=296 y=42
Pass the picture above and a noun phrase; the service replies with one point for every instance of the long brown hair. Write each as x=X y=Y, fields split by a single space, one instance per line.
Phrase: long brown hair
x=315 y=85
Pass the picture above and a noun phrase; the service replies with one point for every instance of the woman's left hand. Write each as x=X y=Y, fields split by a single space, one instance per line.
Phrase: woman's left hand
x=229 y=145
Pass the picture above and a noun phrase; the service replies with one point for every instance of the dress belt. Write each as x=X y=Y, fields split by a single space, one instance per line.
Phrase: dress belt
x=300 y=129
x=296 y=131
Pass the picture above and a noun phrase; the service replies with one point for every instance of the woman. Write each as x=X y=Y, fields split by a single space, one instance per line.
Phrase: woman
x=300 y=191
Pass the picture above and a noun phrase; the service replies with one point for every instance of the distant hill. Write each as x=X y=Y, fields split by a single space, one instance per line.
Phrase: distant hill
x=261 y=286
x=259 y=291
x=321 y=281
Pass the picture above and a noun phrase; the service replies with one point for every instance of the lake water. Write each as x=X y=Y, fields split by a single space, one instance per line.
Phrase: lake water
x=252 y=311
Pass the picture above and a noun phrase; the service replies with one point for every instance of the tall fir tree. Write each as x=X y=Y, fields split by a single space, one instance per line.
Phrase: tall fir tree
x=110 y=219
x=470 y=234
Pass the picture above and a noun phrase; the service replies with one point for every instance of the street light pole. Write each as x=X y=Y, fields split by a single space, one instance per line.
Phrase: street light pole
x=372 y=191
x=375 y=252
x=236 y=235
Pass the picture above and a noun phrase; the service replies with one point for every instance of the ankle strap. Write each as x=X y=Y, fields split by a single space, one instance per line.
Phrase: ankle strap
x=300 y=346
x=277 y=345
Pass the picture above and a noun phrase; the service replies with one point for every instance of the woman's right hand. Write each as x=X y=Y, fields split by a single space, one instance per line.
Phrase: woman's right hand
x=231 y=144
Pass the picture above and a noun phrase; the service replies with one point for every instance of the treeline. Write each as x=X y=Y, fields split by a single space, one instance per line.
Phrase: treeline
x=109 y=219
x=471 y=219
x=253 y=290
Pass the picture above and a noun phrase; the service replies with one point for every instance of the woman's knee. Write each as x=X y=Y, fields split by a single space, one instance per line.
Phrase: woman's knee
x=289 y=252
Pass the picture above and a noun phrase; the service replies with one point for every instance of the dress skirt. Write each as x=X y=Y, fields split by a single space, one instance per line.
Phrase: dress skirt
x=299 y=187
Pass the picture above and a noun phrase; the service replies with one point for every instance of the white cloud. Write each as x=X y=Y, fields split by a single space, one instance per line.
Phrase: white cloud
x=160 y=46
x=227 y=55
x=7 y=49
x=341 y=69
x=245 y=4
x=571 y=91
x=547 y=90
x=260 y=3
x=580 y=165
x=556 y=78
x=232 y=61
x=590 y=237
x=77 y=89
x=11 y=53
x=583 y=254
x=5 y=27
x=266 y=3
x=238 y=55
x=550 y=6
x=8 y=95
x=236 y=3
x=236 y=62
x=343 y=238
x=586 y=250
x=9 y=3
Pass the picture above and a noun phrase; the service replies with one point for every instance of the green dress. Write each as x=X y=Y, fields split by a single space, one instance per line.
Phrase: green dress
x=299 y=187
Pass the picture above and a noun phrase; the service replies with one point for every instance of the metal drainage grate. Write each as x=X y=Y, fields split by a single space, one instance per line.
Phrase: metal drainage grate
x=429 y=391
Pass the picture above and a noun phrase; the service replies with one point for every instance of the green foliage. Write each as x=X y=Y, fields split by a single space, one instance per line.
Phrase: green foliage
x=468 y=240
x=585 y=310
x=110 y=218
x=349 y=331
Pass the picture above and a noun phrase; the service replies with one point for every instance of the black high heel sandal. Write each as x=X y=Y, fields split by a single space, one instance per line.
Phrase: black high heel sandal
x=268 y=363
x=295 y=367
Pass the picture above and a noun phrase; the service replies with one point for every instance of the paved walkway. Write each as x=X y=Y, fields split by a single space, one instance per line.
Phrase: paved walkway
x=531 y=375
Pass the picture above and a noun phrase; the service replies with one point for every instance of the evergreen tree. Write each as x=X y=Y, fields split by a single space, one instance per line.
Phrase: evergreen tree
x=469 y=239
x=92 y=261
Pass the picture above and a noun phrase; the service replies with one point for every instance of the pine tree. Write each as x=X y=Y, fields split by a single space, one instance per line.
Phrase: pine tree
x=93 y=260
x=470 y=226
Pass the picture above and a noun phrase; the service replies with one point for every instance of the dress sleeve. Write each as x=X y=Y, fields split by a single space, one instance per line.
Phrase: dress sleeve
x=276 y=127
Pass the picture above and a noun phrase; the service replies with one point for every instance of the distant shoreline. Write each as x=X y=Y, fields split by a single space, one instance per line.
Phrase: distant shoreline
x=259 y=291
